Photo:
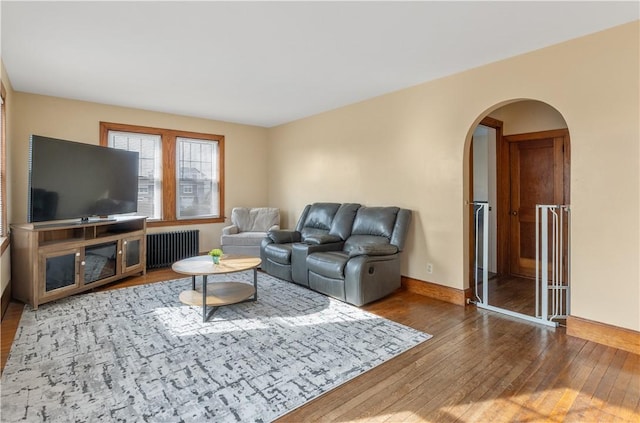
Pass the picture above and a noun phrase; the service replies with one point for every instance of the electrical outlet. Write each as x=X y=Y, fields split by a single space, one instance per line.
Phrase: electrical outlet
x=429 y=268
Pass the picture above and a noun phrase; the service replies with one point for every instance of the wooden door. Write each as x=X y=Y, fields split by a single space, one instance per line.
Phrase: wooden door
x=538 y=174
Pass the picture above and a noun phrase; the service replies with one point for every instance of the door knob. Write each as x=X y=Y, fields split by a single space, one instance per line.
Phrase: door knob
x=514 y=213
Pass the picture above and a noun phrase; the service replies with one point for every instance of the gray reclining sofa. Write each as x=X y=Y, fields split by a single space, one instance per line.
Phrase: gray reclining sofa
x=346 y=251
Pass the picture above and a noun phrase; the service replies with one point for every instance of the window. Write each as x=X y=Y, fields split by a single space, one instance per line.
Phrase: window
x=196 y=168
x=3 y=164
x=181 y=173
x=149 y=172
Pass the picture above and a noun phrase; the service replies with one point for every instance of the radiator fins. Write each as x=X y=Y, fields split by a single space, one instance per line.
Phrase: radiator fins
x=164 y=249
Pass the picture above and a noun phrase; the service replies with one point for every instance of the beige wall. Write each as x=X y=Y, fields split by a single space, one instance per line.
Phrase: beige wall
x=245 y=148
x=527 y=116
x=410 y=148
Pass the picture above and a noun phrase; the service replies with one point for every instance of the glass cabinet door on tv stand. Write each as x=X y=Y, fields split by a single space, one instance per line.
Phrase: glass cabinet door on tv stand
x=132 y=254
x=60 y=270
x=100 y=262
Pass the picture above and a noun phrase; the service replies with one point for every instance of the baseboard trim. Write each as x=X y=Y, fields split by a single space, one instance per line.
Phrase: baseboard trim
x=6 y=299
x=602 y=333
x=433 y=290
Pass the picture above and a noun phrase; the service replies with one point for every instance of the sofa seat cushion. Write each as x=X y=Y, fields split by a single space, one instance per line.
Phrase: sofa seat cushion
x=359 y=242
x=372 y=250
x=329 y=264
x=278 y=253
x=243 y=238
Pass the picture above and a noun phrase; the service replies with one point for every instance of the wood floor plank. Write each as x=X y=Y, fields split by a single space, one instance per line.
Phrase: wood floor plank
x=8 y=329
x=587 y=405
x=461 y=383
x=607 y=382
x=508 y=396
x=572 y=376
x=479 y=366
x=475 y=401
x=422 y=394
x=631 y=394
x=545 y=395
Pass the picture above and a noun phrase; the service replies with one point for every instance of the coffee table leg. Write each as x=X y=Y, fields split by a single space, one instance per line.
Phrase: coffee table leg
x=193 y=283
x=204 y=298
x=255 y=283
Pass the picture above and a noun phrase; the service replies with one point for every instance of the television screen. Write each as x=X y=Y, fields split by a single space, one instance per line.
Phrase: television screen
x=69 y=180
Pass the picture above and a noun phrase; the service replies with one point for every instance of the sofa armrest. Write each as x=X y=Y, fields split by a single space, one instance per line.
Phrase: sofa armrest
x=230 y=230
x=283 y=236
x=368 y=278
x=373 y=250
x=322 y=239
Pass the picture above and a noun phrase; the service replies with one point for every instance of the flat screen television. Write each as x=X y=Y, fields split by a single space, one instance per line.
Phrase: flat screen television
x=71 y=180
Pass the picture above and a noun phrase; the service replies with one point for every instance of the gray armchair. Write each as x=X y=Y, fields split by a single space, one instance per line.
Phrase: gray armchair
x=248 y=228
x=367 y=267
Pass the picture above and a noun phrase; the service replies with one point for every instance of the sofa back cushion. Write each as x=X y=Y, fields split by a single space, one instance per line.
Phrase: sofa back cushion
x=257 y=219
x=316 y=219
x=343 y=220
x=375 y=221
x=378 y=226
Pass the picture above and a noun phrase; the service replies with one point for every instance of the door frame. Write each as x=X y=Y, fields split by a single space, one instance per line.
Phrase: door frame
x=497 y=125
x=503 y=171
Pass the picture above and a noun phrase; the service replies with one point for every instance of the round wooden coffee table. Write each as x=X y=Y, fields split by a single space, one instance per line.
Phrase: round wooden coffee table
x=217 y=294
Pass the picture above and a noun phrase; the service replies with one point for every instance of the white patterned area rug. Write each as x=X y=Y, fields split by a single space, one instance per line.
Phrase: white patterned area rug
x=139 y=355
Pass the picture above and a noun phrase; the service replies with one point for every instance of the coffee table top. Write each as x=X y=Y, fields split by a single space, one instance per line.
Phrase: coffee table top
x=204 y=265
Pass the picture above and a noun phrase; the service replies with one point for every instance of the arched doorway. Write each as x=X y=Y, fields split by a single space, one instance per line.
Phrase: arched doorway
x=519 y=167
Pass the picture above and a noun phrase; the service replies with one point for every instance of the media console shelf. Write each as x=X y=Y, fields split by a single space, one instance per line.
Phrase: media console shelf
x=52 y=261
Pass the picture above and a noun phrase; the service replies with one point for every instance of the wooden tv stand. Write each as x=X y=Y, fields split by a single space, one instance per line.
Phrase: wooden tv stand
x=53 y=261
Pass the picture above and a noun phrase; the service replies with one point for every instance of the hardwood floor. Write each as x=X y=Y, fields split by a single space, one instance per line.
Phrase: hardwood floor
x=479 y=367
x=513 y=293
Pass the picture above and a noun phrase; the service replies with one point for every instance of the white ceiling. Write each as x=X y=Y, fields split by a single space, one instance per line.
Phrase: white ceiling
x=268 y=63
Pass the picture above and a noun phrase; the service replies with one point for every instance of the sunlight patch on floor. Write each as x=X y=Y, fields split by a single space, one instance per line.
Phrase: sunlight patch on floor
x=187 y=320
x=527 y=408
x=400 y=416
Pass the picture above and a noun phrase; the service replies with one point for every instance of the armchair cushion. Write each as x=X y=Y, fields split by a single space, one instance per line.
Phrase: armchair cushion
x=257 y=219
x=245 y=239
